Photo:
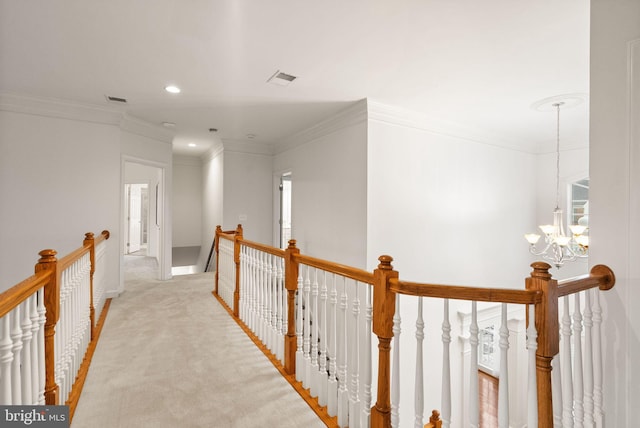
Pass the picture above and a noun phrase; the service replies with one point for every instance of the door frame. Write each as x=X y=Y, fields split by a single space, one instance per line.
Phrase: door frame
x=162 y=207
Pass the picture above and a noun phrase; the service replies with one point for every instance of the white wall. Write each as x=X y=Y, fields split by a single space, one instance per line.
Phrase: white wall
x=212 y=199
x=248 y=194
x=59 y=179
x=61 y=175
x=615 y=196
x=187 y=201
x=450 y=211
x=329 y=188
x=154 y=151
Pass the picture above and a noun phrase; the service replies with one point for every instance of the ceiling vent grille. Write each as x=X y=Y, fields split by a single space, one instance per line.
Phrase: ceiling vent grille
x=281 y=79
x=116 y=99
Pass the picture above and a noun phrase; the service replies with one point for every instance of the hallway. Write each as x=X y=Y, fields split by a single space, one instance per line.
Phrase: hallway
x=171 y=356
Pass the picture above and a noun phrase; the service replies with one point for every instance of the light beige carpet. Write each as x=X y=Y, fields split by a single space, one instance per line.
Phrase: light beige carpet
x=171 y=356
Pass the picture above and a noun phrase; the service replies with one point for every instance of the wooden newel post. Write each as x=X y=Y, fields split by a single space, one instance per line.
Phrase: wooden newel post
x=384 y=306
x=547 y=325
x=236 y=259
x=217 y=250
x=89 y=241
x=49 y=262
x=291 y=267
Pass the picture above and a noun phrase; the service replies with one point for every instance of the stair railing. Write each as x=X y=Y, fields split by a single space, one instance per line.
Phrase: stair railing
x=318 y=319
x=48 y=326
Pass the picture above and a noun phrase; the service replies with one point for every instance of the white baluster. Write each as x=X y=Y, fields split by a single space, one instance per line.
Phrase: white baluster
x=299 y=326
x=446 y=368
x=41 y=356
x=365 y=359
x=313 y=365
x=395 y=369
x=6 y=358
x=343 y=397
x=589 y=421
x=16 y=339
x=274 y=305
x=556 y=390
x=27 y=368
x=578 y=386
x=474 y=393
x=597 y=360
x=567 y=378
x=419 y=381
x=353 y=359
x=332 y=388
x=306 y=331
x=322 y=357
x=503 y=382
x=281 y=312
x=532 y=391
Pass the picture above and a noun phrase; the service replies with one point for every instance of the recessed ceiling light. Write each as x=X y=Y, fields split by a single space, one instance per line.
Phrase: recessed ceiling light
x=192 y=144
x=172 y=89
x=281 y=79
x=251 y=136
x=168 y=124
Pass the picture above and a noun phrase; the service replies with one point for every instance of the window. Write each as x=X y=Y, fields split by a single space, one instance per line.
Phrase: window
x=579 y=202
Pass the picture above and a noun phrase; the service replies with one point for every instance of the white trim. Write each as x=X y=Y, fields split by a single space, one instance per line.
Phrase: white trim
x=350 y=116
x=50 y=107
x=83 y=112
x=212 y=153
x=143 y=128
x=379 y=112
x=241 y=146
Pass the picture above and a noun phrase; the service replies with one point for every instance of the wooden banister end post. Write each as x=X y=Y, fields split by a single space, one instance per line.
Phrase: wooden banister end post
x=236 y=258
x=291 y=268
x=49 y=262
x=216 y=247
x=547 y=325
x=89 y=241
x=608 y=278
x=384 y=306
x=106 y=234
x=434 y=420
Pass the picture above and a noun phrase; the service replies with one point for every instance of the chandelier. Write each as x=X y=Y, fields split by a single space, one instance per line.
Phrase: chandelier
x=558 y=247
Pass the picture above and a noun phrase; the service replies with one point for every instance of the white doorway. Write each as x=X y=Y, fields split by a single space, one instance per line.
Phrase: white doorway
x=143 y=226
x=285 y=210
x=136 y=218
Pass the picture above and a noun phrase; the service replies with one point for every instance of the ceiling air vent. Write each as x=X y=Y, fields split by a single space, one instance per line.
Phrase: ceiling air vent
x=116 y=99
x=281 y=79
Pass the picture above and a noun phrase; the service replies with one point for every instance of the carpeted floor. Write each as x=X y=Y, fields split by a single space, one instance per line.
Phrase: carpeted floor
x=171 y=356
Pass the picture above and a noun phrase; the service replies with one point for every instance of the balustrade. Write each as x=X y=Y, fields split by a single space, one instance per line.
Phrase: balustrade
x=321 y=318
x=48 y=326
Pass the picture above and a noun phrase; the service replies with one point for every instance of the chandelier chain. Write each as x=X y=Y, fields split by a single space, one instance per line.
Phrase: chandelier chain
x=557 y=105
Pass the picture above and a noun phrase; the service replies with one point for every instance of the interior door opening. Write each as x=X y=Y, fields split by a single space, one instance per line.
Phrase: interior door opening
x=136 y=219
x=285 y=209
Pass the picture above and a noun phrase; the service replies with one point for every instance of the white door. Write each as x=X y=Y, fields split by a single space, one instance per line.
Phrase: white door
x=135 y=217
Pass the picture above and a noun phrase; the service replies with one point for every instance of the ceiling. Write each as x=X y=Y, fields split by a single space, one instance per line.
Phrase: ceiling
x=477 y=64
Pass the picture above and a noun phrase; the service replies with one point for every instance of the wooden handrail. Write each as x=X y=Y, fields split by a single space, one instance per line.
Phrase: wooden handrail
x=541 y=290
x=264 y=248
x=601 y=276
x=346 y=271
x=17 y=294
x=480 y=294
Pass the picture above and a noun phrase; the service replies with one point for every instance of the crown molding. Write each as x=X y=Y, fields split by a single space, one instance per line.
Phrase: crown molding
x=397 y=116
x=83 y=112
x=212 y=153
x=63 y=109
x=242 y=146
x=352 y=115
x=143 y=128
